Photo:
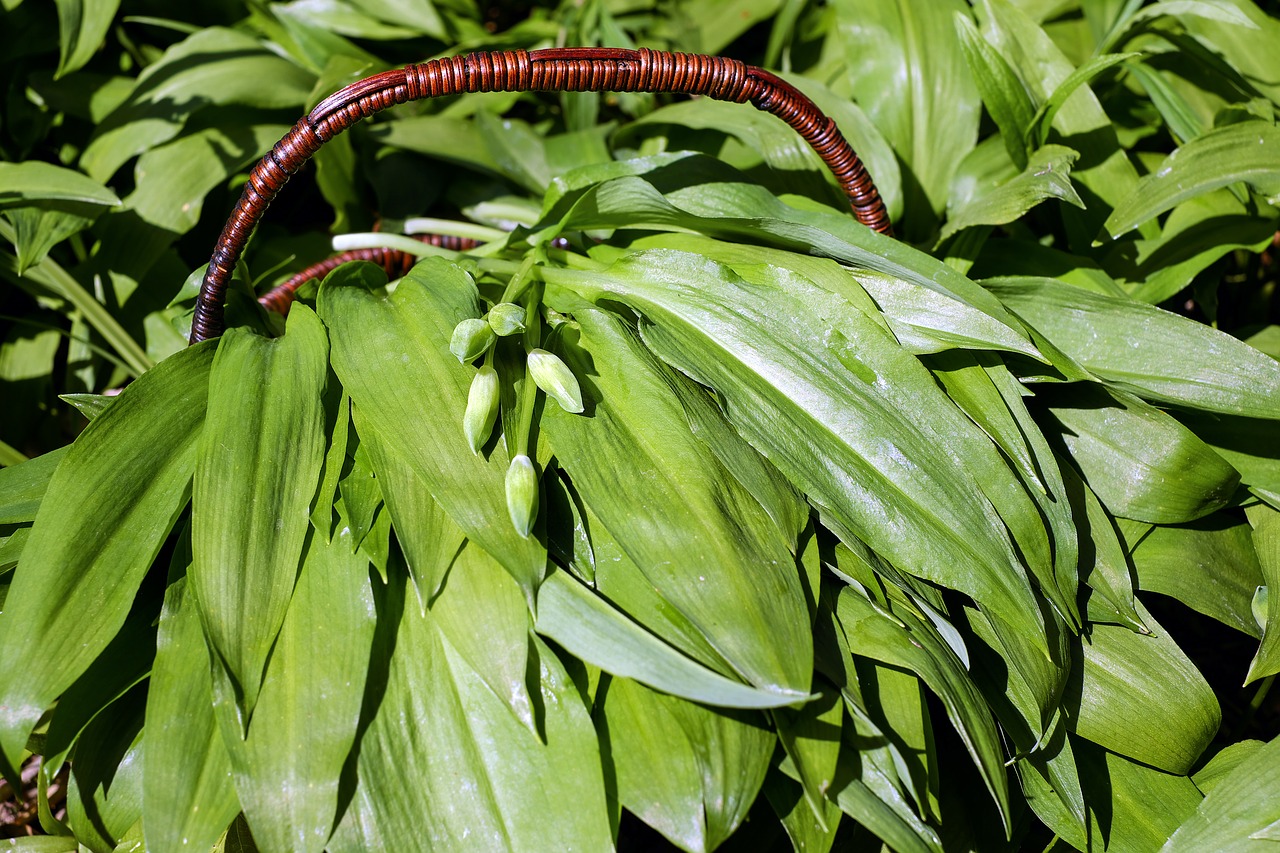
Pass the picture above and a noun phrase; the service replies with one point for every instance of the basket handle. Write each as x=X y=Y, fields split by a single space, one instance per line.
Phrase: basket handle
x=558 y=69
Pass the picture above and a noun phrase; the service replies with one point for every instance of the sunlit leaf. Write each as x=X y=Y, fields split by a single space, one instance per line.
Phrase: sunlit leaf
x=100 y=525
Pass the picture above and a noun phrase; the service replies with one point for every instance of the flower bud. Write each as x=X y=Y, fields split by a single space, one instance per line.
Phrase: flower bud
x=471 y=339
x=555 y=378
x=522 y=494
x=506 y=318
x=482 y=407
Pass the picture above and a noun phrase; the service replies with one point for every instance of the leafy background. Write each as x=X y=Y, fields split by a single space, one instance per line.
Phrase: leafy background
x=1020 y=469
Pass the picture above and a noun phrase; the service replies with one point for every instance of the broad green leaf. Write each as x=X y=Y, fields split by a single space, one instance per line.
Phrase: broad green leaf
x=810 y=736
x=1081 y=123
x=1248 y=152
x=1251 y=445
x=104 y=797
x=486 y=620
x=1223 y=763
x=906 y=69
x=259 y=462
x=23 y=486
x=1266 y=543
x=866 y=794
x=587 y=626
x=689 y=772
x=1247 y=49
x=706 y=546
x=427 y=535
x=1104 y=560
x=188 y=797
x=215 y=66
x=287 y=771
x=901 y=640
x=1133 y=807
x=693 y=192
x=1047 y=175
x=1196 y=234
x=1139 y=695
x=621 y=581
x=1038 y=129
x=82 y=25
x=858 y=410
x=1239 y=812
x=925 y=321
x=392 y=355
x=481 y=779
x=421 y=15
x=1141 y=463
x=1128 y=344
x=40 y=226
x=102 y=521
x=172 y=180
x=974 y=391
x=807 y=831
x=1002 y=92
x=335 y=458
x=36 y=181
x=1209 y=565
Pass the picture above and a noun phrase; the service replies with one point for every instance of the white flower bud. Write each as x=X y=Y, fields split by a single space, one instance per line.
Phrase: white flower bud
x=506 y=318
x=482 y=407
x=555 y=378
x=471 y=339
x=522 y=494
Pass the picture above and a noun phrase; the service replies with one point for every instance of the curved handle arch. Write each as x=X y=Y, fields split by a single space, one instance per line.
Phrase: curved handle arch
x=555 y=69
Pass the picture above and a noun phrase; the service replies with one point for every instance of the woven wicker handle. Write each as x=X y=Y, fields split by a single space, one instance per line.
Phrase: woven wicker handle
x=560 y=69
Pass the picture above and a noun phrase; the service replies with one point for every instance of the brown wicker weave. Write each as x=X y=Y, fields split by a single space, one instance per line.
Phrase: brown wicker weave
x=561 y=69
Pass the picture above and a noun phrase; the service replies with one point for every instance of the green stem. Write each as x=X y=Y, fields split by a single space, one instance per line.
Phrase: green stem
x=50 y=275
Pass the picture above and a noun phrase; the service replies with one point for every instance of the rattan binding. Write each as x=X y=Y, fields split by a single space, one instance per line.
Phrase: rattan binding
x=558 y=69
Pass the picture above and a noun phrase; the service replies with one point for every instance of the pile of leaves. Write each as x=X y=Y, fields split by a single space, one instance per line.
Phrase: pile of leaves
x=684 y=506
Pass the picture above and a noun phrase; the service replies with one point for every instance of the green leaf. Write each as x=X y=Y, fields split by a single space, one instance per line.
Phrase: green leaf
x=1208 y=565
x=1240 y=811
x=428 y=536
x=1248 y=152
x=392 y=355
x=858 y=409
x=1246 y=49
x=82 y=25
x=505 y=787
x=1140 y=462
x=692 y=192
x=36 y=181
x=104 y=797
x=215 y=66
x=703 y=542
x=1038 y=129
x=102 y=521
x=1139 y=695
x=906 y=69
x=288 y=770
x=41 y=226
x=1002 y=92
x=587 y=626
x=172 y=180
x=1133 y=807
x=23 y=486
x=1196 y=234
x=188 y=797
x=1128 y=344
x=808 y=832
x=689 y=772
x=485 y=619
x=1047 y=175
x=260 y=459
x=1266 y=543
x=902 y=640
x=810 y=736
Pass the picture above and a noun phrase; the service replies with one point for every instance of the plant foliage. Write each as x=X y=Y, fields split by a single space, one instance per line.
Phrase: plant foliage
x=683 y=506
